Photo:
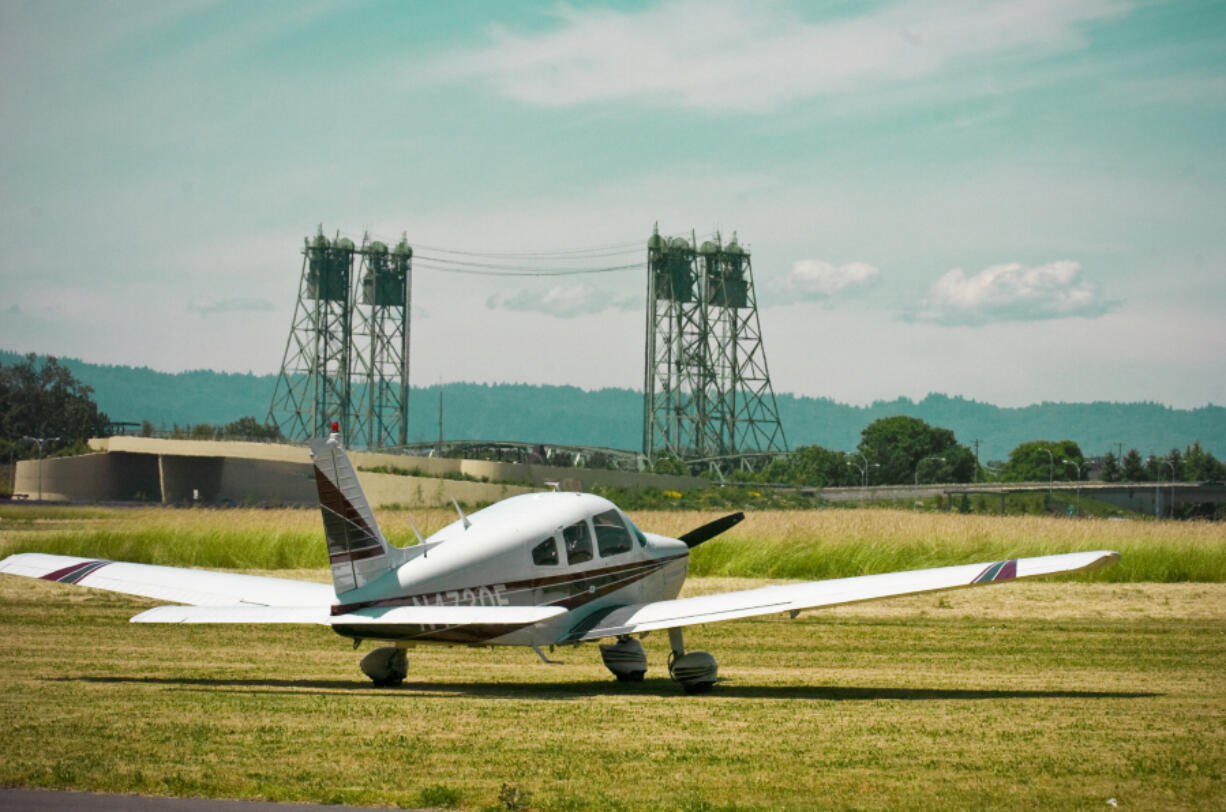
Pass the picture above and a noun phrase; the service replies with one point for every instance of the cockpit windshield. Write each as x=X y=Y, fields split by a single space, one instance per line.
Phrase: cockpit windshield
x=612 y=537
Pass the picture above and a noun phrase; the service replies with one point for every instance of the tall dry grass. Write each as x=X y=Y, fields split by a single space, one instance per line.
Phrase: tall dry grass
x=837 y=543
x=226 y=539
x=768 y=544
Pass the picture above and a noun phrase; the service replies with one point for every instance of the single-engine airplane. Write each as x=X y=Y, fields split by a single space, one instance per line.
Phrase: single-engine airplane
x=537 y=570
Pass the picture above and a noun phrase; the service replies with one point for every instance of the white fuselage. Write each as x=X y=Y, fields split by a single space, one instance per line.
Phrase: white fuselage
x=574 y=550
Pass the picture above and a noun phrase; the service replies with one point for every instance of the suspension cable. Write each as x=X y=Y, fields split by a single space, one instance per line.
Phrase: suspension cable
x=594 y=251
x=482 y=269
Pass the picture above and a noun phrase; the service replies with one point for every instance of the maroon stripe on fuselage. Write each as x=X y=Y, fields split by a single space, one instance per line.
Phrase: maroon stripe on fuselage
x=481 y=633
x=417 y=599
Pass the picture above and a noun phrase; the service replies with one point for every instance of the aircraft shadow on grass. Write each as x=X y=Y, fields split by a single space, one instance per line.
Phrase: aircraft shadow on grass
x=584 y=690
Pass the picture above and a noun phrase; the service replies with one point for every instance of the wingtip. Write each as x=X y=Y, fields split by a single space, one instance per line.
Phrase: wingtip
x=1102 y=558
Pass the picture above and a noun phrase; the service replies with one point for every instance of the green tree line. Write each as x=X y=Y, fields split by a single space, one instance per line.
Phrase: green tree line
x=906 y=450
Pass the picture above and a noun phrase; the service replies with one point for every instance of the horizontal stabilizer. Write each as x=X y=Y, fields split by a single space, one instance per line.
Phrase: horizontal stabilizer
x=321 y=615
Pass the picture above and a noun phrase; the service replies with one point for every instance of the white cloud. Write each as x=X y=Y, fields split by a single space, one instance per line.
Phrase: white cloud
x=817 y=279
x=754 y=56
x=1013 y=292
x=241 y=304
x=563 y=301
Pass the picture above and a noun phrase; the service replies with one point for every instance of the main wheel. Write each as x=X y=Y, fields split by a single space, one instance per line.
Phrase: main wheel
x=695 y=671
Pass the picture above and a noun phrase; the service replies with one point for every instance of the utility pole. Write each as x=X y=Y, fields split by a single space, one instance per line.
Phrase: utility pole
x=915 y=504
x=438 y=448
x=976 y=460
x=39 y=442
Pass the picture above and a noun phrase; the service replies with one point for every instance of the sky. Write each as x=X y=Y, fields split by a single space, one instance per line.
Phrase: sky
x=1013 y=202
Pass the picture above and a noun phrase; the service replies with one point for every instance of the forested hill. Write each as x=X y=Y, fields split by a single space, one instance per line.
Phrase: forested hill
x=613 y=417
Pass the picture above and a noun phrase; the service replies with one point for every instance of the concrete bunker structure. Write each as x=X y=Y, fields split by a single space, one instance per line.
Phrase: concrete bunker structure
x=142 y=469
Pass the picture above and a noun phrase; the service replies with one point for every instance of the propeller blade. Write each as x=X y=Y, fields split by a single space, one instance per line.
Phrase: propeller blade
x=709 y=531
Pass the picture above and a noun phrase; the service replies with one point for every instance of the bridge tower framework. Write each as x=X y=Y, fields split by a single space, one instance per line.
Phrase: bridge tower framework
x=707 y=388
x=347 y=355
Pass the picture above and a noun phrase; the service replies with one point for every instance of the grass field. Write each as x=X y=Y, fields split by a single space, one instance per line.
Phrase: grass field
x=1036 y=694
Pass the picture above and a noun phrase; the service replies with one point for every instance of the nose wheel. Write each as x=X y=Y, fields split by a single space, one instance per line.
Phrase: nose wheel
x=386 y=666
x=625 y=658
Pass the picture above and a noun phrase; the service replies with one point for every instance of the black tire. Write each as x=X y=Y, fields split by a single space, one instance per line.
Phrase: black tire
x=633 y=676
x=389 y=682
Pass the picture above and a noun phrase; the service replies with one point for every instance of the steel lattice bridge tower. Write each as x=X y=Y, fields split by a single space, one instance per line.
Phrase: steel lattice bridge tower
x=707 y=391
x=347 y=355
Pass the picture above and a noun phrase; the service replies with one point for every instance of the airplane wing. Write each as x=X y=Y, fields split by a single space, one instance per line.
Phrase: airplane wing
x=178 y=584
x=768 y=600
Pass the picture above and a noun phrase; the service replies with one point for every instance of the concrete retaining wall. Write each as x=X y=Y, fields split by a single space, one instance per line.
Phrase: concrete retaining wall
x=173 y=479
x=246 y=482
x=501 y=472
x=411 y=491
x=89 y=478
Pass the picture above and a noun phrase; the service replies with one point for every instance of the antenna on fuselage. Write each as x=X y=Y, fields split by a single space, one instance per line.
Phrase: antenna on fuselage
x=425 y=550
x=460 y=510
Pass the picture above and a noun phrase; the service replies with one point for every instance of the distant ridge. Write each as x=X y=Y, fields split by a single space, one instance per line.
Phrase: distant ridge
x=613 y=417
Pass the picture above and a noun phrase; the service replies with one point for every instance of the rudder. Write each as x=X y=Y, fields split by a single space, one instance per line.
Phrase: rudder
x=357 y=550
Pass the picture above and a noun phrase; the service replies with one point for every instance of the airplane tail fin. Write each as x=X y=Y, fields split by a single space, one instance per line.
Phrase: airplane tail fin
x=357 y=550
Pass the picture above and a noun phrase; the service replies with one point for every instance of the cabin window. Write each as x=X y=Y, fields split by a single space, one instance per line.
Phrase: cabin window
x=578 y=540
x=546 y=553
x=611 y=534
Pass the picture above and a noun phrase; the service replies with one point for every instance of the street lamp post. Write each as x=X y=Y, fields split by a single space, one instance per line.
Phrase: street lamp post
x=1157 y=484
x=917 y=470
x=1079 y=466
x=1051 y=469
x=38 y=441
x=1171 y=508
x=863 y=469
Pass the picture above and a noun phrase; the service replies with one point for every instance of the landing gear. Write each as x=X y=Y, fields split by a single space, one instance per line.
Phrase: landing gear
x=387 y=666
x=695 y=671
x=625 y=658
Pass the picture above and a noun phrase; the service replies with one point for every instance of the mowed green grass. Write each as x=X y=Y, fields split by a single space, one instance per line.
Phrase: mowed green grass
x=1034 y=695
x=1037 y=694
